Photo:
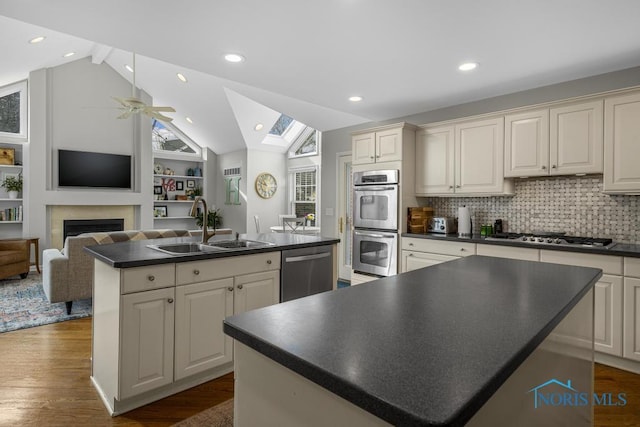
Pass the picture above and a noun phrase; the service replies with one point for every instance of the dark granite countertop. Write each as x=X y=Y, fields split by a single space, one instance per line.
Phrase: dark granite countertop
x=619 y=249
x=136 y=253
x=427 y=347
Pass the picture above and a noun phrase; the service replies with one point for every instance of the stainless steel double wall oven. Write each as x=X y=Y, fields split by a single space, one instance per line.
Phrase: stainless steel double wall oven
x=375 y=221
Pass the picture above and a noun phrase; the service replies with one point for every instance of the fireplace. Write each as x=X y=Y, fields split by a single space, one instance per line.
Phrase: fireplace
x=73 y=227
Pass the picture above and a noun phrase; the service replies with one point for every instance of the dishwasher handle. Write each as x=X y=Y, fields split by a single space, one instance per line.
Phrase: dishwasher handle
x=306 y=257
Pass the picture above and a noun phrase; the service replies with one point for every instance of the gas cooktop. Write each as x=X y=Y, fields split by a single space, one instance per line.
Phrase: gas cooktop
x=554 y=239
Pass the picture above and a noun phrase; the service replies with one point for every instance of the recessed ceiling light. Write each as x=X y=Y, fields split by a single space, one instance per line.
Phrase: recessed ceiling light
x=181 y=77
x=258 y=127
x=355 y=98
x=68 y=54
x=128 y=67
x=37 y=39
x=189 y=119
x=234 y=57
x=468 y=66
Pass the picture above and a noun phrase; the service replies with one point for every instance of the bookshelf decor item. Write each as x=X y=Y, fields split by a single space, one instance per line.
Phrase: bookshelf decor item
x=7 y=156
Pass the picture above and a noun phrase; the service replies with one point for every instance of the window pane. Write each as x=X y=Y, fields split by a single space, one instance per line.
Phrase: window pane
x=309 y=146
x=305 y=195
x=164 y=139
x=10 y=113
x=281 y=125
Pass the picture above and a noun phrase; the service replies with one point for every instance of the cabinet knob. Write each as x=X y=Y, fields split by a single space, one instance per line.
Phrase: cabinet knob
x=269 y=261
x=457 y=186
x=239 y=286
x=553 y=166
x=170 y=300
x=410 y=255
x=230 y=288
x=151 y=277
x=378 y=156
x=371 y=157
x=451 y=187
x=544 y=167
x=410 y=244
x=461 y=249
x=196 y=272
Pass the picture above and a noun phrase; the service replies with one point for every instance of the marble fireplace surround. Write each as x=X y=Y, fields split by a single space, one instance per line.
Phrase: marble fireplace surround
x=58 y=213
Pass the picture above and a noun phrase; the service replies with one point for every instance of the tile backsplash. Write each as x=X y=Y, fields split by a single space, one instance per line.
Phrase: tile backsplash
x=575 y=205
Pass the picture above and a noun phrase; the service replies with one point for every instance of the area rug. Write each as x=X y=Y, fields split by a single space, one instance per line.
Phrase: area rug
x=219 y=416
x=24 y=305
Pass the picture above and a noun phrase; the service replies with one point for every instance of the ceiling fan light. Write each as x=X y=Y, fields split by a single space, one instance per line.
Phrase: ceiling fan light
x=37 y=39
x=233 y=57
x=181 y=77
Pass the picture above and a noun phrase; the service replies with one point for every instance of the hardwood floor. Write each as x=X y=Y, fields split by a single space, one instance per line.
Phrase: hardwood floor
x=44 y=380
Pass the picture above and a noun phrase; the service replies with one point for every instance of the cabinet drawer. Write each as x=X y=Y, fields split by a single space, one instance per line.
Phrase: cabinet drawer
x=632 y=267
x=526 y=254
x=439 y=247
x=414 y=260
x=608 y=264
x=200 y=271
x=146 y=278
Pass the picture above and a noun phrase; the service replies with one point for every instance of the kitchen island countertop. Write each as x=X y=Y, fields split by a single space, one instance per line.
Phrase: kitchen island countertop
x=137 y=253
x=427 y=347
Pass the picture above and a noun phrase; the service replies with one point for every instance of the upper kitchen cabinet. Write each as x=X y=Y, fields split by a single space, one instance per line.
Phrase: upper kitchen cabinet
x=383 y=144
x=622 y=144
x=462 y=159
x=565 y=140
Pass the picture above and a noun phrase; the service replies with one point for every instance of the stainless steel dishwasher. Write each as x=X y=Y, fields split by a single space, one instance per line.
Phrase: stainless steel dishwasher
x=306 y=271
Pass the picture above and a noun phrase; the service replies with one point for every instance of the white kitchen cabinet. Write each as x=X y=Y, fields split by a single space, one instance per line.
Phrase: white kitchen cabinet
x=559 y=141
x=631 y=341
x=527 y=254
x=622 y=144
x=200 y=343
x=466 y=158
x=147 y=341
x=256 y=290
x=412 y=260
x=576 y=139
x=384 y=144
x=419 y=253
x=526 y=144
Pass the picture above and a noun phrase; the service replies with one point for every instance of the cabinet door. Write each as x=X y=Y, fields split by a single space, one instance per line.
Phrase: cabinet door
x=256 y=290
x=200 y=342
x=526 y=144
x=435 y=160
x=631 y=323
x=415 y=260
x=622 y=144
x=389 y=145
x=607 y=315
x=576 y=142
x=480 y=157
x=363 y=148
x=147 y=341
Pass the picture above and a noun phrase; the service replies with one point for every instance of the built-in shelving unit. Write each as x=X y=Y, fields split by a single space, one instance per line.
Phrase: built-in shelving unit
x=187 y=173
x=11 y=210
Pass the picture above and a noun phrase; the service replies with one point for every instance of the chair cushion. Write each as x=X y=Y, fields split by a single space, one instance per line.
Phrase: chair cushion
x=11 y=257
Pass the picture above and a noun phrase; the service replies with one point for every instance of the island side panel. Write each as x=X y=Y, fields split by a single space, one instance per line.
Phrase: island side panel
x=561 y=368
x=268 y=394
x=106 y=327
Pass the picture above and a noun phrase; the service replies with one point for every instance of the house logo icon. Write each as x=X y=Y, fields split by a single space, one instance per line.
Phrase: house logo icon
x=538 y=394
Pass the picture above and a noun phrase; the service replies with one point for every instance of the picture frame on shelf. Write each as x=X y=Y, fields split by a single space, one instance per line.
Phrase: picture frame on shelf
x=191 y=183
x=157 y=189
x=179 y=185
x=160 y=211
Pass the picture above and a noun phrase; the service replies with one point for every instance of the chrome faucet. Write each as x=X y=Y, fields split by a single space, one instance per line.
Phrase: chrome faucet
x=205 y=218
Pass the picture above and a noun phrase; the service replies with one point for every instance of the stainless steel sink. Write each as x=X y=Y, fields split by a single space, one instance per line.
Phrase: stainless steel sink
x=183 y=248
x=240 y=244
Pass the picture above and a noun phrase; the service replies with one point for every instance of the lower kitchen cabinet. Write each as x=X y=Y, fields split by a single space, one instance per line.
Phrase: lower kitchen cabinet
x=631 y=341
x=512 y=252
x=418 y=253
x=256 y=290
x=412 y=260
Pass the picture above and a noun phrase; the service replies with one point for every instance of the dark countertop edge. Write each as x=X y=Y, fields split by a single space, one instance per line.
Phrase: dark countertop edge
x=477 y=239
x=383 y=409
x=171 y=259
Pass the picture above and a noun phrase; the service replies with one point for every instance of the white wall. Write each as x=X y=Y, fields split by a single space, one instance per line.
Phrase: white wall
x=266 y=209
x=233 y=216
x=71 y=107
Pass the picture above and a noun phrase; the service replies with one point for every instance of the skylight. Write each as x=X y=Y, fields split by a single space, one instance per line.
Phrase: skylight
x=281 y=125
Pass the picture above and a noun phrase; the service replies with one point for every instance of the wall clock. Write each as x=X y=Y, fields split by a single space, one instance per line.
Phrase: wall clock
x=266 y=185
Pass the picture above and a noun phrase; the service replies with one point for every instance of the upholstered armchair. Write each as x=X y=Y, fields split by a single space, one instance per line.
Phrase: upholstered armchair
x=14 y=258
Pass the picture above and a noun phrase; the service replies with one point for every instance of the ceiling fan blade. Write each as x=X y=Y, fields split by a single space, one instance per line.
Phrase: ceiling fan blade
x=158 y=116
x=124 y=115
x=134 y=102
x=121 y=101
x=166 y=109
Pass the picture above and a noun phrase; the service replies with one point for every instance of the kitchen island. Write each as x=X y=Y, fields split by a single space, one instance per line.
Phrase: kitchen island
x=467 y=341
x=158 y=308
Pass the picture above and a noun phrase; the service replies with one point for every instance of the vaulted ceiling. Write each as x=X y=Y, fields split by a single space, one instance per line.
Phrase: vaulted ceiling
x=305 y=59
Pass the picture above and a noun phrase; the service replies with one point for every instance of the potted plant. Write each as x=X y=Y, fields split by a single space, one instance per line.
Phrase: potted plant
x=13 y=185
x=214 y=219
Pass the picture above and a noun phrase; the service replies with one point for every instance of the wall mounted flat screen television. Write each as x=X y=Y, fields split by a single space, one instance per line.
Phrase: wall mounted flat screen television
x=97 y=170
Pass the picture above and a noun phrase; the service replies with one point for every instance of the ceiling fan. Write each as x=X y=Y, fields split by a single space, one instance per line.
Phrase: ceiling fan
x=134 y=105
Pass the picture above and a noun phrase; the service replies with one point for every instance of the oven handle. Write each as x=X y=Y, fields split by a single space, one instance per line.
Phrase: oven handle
x=379 y=236
x=369 y=188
